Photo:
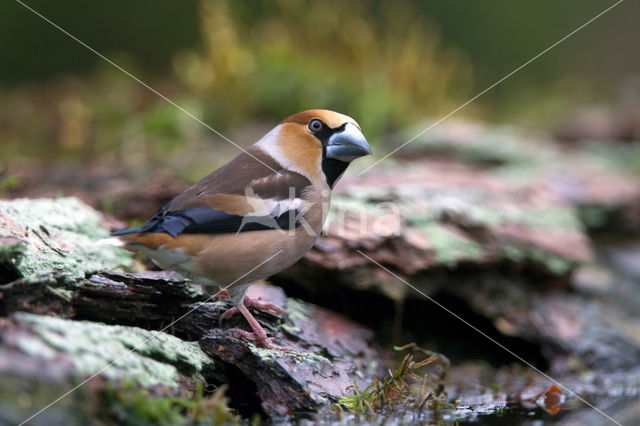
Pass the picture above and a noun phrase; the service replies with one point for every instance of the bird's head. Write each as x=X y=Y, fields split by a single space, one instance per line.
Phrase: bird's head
x=317 y=143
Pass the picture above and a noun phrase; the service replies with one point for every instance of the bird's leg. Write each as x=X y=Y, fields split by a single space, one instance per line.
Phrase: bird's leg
x=258 y=335
x=251 y=302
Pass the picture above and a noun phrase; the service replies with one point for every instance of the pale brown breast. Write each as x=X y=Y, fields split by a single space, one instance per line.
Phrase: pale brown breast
x=226 y=258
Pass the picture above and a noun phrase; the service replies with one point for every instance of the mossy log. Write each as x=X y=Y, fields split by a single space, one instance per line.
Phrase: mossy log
x=328 y=353
x=44 y=235
x=63 y=319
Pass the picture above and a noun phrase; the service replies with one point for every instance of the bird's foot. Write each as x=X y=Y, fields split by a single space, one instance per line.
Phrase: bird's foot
x=258 y=334
x=261 y=339
x=251 y=302
x=228 y=314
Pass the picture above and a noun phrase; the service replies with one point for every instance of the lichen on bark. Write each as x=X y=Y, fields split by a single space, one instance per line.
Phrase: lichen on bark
x=61 y=234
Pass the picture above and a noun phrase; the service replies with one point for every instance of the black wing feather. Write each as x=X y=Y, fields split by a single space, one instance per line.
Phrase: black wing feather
x=205 y=220
x=186 y=214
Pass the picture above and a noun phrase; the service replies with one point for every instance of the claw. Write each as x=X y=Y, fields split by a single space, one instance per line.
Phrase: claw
x=251 y=302
x=258 y=334
x=228 y=314
x=260 y=339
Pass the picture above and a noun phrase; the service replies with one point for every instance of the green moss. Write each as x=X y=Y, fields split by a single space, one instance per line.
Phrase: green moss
x=410 y=386
x=615 y=157
x=298 y=357
x=298 y=314
x=8 y=183
x=550 y=217
x=121 y=403
x=365 y=202
x=128 y=405
x=596 y=217
x=23 y=396
x=554 y=263
x=450 y=247
x=147 y=358
x=465 y=208
x=497 y=145
x=513 y=252
x=12 y=252
x=495 y=388
x=558 y=265
x=60 y=235
x=296 y=311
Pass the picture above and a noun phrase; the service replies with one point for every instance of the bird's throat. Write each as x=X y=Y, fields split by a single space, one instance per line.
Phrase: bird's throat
x=333 y=169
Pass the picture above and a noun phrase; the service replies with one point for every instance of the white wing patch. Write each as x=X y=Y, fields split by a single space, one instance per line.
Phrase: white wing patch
x=270 y=206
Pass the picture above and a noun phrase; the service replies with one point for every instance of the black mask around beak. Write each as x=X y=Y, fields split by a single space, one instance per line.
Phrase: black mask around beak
x=347 y=144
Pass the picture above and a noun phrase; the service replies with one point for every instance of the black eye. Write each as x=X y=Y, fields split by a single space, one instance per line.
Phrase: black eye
x=315 y=125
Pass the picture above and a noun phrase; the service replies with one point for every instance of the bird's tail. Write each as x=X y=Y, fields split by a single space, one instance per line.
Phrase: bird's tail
x=133 y=230
x=115 y=239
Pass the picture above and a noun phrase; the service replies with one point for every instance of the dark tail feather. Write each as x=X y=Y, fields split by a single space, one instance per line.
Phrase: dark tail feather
x=127 y=231
x=147 y=227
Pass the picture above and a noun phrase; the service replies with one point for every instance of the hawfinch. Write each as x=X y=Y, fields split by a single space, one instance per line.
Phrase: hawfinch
x=257 y=214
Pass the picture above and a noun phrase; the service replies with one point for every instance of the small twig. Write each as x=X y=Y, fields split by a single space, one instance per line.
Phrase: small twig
x=424 y=401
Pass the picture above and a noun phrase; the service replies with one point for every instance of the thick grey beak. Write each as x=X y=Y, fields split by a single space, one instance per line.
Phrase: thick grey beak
x=348 y=144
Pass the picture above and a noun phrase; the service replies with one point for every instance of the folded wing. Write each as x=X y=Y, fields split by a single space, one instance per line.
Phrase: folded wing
x=222 y=203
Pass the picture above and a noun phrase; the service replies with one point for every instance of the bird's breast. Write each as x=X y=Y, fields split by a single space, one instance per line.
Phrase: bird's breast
x=253 y=255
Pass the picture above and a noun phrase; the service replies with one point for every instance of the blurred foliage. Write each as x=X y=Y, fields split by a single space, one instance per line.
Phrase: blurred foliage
x=106 y=120
x=33 y=50
x=242 y=66
x=384 y=64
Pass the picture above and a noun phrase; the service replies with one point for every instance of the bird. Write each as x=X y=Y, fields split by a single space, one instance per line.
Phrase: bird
x=256 y=215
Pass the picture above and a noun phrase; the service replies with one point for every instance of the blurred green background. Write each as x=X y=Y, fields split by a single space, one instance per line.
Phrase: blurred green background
x=241 y=66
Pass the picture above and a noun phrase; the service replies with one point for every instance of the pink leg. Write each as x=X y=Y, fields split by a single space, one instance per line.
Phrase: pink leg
x=258 y=334
x=250 y=302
